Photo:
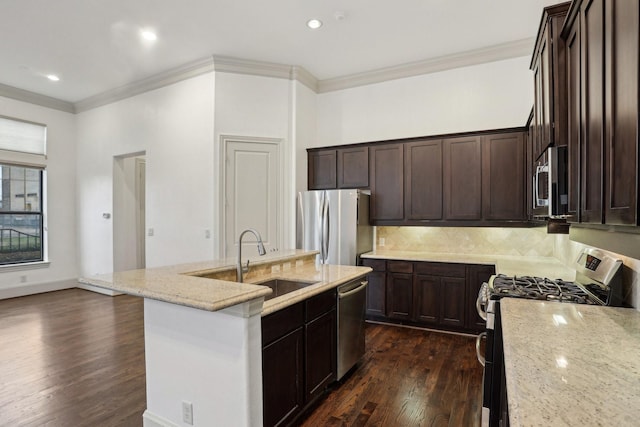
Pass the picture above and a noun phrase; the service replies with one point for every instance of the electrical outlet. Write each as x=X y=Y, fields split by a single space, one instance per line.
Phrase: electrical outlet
x=187 y=412
x=150 y=232
x=207 y=234
x=23 y=279
x=381 y=241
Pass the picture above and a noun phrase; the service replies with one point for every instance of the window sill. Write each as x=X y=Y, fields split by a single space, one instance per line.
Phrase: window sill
x=24 y=266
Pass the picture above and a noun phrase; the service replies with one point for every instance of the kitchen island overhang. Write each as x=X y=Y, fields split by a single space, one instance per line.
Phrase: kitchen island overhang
x=203 y=335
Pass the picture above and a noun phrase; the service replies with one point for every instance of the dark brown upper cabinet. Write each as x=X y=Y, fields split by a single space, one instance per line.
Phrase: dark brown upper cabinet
x=322 y=170
x=462 y=171
x=503 y=177
x=353 y=167
x=548 y=66
x=338 y=168
x=602 y=38
x=423 y=180
x=386 y=176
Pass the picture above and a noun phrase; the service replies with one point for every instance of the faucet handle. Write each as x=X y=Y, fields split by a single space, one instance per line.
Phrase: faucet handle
x=246 y=269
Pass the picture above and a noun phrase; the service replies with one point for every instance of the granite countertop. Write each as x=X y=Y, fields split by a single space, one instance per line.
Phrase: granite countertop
x=203 y=286
x=509 y=265
x=579 y=365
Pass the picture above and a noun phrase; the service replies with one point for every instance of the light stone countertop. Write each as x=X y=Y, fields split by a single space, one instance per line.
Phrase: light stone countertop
x=181 y=284
x=571 y=364
x=505 y=264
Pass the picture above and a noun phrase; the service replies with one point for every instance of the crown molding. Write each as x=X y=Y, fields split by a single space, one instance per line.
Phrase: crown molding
x=35 y=98
x=157 y=81
x=227 y=64
x=463 y=59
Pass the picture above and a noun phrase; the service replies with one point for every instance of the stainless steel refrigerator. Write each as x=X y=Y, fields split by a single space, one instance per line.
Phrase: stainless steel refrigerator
x=336 y=223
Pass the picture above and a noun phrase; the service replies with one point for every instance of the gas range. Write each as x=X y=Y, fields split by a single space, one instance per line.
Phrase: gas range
x=539 y=288
x=598 y=281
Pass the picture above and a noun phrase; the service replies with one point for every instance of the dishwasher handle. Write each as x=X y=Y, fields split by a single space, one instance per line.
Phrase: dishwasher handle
x=363 y=285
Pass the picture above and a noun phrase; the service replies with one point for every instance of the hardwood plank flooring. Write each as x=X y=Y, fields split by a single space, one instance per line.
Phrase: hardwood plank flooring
x=72 y=358
x=408 y=377
x=76 y=358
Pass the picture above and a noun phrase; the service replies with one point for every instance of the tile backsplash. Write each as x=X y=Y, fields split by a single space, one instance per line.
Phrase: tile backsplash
x=468 y=240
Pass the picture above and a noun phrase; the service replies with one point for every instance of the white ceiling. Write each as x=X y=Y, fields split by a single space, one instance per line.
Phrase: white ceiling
x=94 y=45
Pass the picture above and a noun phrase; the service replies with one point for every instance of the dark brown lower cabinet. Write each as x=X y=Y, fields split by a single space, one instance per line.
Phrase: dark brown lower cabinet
x=377 y=288
x=320 y=354
x=432 y=294
x=400 y=296
x=282 y=378
x=298 y=357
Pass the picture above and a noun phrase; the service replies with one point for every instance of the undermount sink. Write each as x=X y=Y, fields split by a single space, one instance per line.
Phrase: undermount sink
x=283 y=286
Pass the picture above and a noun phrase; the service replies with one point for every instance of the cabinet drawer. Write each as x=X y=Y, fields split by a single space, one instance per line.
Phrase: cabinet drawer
x=278 y=324
x=400 y=266
x=375 y=264
x=320 y=304
x=441 y=269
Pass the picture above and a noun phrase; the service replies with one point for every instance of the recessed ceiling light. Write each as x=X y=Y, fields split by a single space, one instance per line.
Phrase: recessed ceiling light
x=314 y=24
x=53 y=77
x=148 y=35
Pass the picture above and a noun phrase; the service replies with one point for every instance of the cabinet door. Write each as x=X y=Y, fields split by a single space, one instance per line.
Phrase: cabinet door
x=353 y=167
x=462 y=178
x=282 y=378
x=503 y=177
x=376 y=294
x=536 y=143
x=476 y=276
x=546 y=130
x=427 y=299
x=321 y=169
x=386 y=165
x=621 y=138
x=423 y=180
x=592 y=111
x=574 y=116
x=399 y=295
x=320 y=353
x=377 y=288
x=453 y=297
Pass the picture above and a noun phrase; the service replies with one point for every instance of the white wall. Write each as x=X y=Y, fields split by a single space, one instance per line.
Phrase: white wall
x=256 y=106
x=486 y=96
x=305 y=132
x=174 y=126
x=61 y=201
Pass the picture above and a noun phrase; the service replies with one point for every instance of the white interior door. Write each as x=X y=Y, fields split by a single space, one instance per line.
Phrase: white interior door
x=252 y=193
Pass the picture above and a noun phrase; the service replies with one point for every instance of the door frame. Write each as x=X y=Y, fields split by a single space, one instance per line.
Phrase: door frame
x=225 y=140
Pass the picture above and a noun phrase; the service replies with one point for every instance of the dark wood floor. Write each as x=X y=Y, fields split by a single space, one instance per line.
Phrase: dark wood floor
x=76 y=358
x=72 y=358
x=408 y=377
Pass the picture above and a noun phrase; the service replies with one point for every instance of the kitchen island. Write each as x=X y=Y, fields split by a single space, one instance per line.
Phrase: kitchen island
x=203 y=349
x=578 y=365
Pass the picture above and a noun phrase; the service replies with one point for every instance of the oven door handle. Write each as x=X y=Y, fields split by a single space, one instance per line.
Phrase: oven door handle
x=480 y=301
x=481 y=357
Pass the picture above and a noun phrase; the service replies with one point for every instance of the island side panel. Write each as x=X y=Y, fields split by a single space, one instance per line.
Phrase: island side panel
x=211 y=359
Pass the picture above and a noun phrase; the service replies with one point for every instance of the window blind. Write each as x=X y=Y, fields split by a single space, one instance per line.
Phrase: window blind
x=24 y=137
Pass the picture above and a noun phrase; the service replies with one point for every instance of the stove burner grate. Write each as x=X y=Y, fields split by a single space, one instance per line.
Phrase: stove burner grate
x=540 y=288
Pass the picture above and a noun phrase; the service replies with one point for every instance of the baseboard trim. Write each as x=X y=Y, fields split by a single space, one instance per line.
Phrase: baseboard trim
x=152 y=420
x=37 y=288
x=97 y=289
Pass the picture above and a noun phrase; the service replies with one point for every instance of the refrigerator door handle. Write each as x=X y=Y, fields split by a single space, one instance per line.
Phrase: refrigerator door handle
x=324 y=247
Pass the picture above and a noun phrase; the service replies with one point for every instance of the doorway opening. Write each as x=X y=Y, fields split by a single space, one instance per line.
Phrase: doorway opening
x=129 y=182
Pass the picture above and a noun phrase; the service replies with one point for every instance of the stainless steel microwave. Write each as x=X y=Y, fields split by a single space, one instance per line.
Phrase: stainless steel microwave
x=550 y=184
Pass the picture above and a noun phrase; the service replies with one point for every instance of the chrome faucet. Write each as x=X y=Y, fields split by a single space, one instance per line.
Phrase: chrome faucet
x=241 y=269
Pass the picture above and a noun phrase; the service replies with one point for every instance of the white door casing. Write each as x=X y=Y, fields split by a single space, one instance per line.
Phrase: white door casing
x=253 y=188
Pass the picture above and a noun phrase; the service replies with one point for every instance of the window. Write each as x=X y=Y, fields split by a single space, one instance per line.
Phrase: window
x=22 y=171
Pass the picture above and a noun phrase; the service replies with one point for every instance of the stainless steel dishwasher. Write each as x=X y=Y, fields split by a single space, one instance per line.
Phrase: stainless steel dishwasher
x=352 y=297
